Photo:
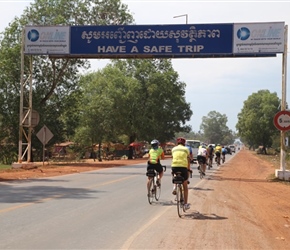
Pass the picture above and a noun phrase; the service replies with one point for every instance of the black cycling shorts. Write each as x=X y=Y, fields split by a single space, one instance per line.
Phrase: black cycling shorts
x=158 y=167
x=201 y=158
x=218 y=154
x=184 y=171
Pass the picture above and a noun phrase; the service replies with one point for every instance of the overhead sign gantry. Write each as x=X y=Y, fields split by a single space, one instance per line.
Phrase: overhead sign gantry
x=156 y=41
x=231 y=40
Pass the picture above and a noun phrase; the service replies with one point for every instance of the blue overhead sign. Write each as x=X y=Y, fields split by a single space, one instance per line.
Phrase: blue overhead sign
x=151 y=40
x=156 y=41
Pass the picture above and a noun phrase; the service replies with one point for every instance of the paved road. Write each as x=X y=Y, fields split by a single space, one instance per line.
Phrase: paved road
x=104 y=209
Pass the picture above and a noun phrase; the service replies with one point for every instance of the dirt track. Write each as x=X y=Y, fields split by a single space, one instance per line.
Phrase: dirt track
x=239 y=208
x=236 y=208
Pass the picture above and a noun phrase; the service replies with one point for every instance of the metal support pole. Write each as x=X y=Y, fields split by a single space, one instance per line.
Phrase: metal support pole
x=283 y=100
x=21 y=99
x=25 y=120
x=30 y=113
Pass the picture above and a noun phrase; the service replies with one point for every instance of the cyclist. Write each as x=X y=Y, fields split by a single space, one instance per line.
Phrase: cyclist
x=224 y=151
x=210 y=155
x=202 y=157
x=181 y=163
x=156 y=154
x=201 y=145
x=218 y=151
x=190 y=152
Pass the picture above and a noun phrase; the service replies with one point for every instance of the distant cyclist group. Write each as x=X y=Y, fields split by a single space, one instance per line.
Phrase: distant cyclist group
x=182 y=157
x=206 y=154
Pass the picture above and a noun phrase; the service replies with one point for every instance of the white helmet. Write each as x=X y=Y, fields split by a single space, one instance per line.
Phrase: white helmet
x=155 y=144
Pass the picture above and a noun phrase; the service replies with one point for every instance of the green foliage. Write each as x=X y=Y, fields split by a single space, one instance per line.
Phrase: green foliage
x=78 y=12
x=215 y=130
x=106 y=95
x=255 y=121
x=55 y=81
x=8 y=154
x=158 y=109
x=134 y=99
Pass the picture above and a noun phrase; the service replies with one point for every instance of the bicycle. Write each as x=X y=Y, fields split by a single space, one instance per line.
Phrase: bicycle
x=210 y=162
x=178 y=181
x=154 y=190
x=201 y=173
x=223 y=159
x=218 y=160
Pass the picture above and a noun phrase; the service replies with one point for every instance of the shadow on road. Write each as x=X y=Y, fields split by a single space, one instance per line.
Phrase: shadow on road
x=201 y=189
x=163 y=203
x=199 y=216
x=38 y=194
x=217 y=178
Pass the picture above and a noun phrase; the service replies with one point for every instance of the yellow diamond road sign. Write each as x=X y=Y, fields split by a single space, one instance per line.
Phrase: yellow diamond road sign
x=44 y=135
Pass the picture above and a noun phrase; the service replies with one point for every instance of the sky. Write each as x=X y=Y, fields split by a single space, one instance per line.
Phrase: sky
x=212 y=84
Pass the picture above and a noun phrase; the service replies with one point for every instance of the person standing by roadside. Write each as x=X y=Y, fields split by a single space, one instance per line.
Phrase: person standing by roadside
x=181 y=163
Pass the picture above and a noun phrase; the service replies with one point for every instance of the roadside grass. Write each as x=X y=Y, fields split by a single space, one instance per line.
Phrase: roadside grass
x=4 y=167
x=274 y=158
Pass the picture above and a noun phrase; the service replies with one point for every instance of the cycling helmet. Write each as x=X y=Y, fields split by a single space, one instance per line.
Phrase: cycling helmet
x=203 y=146
x=154 y=144
x=181 y=140
x=218 y=144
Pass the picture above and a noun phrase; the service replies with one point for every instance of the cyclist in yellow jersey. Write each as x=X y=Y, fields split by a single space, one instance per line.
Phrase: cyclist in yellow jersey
x=181 y=163
x=218 y=151
x=156 y=154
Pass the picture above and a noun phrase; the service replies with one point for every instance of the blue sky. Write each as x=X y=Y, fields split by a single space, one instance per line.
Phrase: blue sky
x=212 y=83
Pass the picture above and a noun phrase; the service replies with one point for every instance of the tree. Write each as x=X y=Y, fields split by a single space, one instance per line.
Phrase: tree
x=215 y=129
x=160 y=109
x=255 y=121
x=106 y=97
x=54 y=80
x=118 y=103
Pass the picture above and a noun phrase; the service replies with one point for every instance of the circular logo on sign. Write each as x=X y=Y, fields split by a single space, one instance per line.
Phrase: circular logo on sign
x=33 y=35
x=243 y=33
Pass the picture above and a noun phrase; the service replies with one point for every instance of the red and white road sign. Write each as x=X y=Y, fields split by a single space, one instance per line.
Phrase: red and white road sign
x=282 y=120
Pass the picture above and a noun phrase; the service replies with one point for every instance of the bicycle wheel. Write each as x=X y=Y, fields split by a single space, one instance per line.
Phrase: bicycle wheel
x=157 y=191
x=200 y=172
x=150 y=193
x=218 y=161
x=210 y=164
x=180 y=200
